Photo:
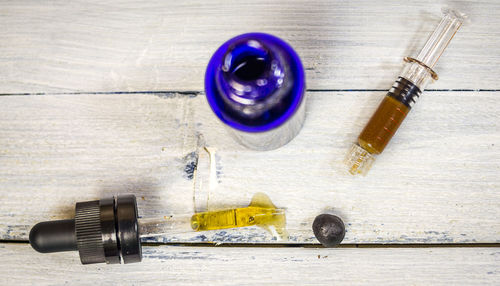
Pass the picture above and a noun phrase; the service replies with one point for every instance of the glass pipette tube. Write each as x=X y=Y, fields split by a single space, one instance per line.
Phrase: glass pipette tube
x=269 y=219
x=405 y=91
x=261 y=212
x=169 y=224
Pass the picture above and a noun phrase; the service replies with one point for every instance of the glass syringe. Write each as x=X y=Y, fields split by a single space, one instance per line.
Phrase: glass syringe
x=405 y=91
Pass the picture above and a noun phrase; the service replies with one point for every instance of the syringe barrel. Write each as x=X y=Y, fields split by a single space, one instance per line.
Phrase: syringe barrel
x=393 y=109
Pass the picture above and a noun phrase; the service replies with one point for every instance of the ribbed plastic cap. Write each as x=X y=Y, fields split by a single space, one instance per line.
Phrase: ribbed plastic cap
x=107 y=231
x=88 y=232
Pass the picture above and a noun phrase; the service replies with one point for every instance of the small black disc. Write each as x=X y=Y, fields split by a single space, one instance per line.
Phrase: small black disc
x=328 y=229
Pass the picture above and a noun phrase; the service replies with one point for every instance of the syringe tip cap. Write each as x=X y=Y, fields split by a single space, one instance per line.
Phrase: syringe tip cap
x=358 y=160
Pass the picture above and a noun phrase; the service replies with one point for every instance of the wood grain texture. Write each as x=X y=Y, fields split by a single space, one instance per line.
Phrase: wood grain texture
x=115 y=106
x=437 y=182
x=20 y=265
x=61 y=46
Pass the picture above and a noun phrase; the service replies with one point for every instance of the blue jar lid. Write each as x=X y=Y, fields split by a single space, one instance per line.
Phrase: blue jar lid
x=255 y=82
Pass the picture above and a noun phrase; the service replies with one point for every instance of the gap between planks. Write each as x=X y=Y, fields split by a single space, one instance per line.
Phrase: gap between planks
x=303 y=245
x=195 y=93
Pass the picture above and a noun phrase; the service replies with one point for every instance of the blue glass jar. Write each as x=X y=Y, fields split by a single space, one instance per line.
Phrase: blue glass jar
x=255 y=84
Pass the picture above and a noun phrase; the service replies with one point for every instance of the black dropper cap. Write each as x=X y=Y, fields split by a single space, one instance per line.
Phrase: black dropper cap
x=102 y=231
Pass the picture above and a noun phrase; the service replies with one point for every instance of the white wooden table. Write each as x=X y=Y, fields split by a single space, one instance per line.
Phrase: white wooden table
x=106 y=97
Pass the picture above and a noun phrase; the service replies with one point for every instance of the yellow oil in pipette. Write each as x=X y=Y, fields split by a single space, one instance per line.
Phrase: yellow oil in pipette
x=261 y=212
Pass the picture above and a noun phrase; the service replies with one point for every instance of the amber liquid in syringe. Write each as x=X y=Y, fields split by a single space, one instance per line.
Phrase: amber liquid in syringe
x=388 y=117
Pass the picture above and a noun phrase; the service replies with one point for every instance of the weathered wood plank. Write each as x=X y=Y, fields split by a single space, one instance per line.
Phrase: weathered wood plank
x=20 y=265
x=164 y=45
x=437 y=182
x=55 y=149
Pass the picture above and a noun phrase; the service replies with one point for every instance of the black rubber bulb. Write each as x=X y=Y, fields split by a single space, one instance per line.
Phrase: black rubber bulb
x=328 y=229
x=54 y=236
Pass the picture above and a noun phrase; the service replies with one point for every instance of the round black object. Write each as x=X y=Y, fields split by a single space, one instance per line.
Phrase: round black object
x=328 y=229
x=53 y=236
x=128 y=229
